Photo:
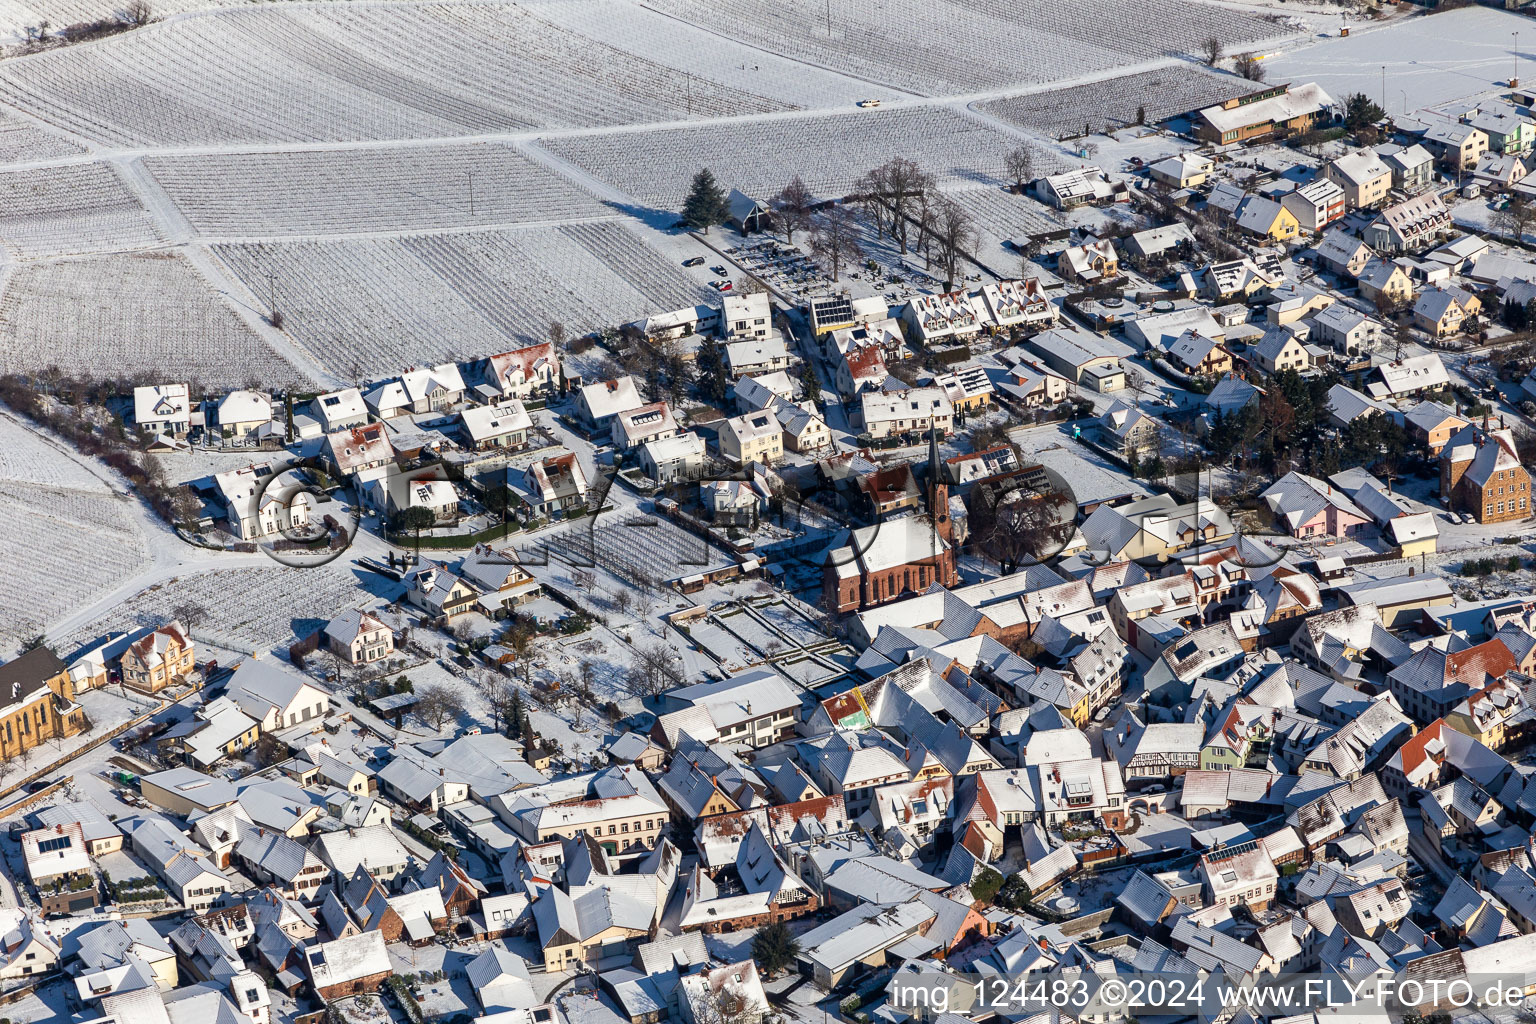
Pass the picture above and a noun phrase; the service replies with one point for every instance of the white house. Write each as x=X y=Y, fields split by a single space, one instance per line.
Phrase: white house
x=886 y=413
x=275 y=697
x=634 y=427
x=746 y=316
x=162 y=409
x=339 y=410
x=243 y=413
x=752 y=437
x=257 y=508
x=668 y=459
x=504 y=425
x=598 y=403
x=757 y=355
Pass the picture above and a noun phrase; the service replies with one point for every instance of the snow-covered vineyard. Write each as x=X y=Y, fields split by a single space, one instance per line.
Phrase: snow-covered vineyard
x=710 y=511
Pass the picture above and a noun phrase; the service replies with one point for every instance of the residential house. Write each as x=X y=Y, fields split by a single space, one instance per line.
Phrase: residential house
x=1481 y=472
x=158 y=659
x=1348 y=331
x=752 y=437
x=275 y=697
x=1316 y=204
x=520 y=374
x=187 y=873
x=1409 y=225
x=1182 y=170
x=359 y=451
x=505 y=425
x=670 y=459
x=1081 y=186
x=243 y=413
x=634 y=427
x=437 y=590
x=1443 y=311
x=1432 y=425
x=348 y=966
x=1265 y=218
x=162 y=409
x=359 y=637
x=757 y=355
x=908 y=411
x=746 y=316
x=1459 y=146
x=255 y=507
x=946 y=315
x=1385 y=283
x=1309 y=507
x=1081 y=357
x=556 y=483
x=1279 y=350
x=340 y=410
x=1342 y=252
x=1197 y=354
x=1413 y=168
x=598 y=403
x=1365 y=178
x=1093 y=261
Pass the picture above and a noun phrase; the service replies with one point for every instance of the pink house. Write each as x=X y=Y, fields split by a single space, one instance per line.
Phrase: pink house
x=1309 y=507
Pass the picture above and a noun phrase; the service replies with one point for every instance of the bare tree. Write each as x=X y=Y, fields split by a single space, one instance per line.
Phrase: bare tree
x=557 y=334
x=623 y=600
x=1212 y=48
x=498 y=691
x=1250 y=67
x=1515 y=217
x=190 y=614
x=837 y=239
x=138 y=13
x=438 y=702
x=583 y=579
x=656 y=669
x=954 y=234
x=794 y=205
x=1019 y=165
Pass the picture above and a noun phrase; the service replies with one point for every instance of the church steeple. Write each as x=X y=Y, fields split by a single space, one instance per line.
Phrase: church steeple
x=938 y=491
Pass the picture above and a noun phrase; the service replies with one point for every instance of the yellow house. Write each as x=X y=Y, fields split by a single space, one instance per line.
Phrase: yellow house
x=1279 y=350
x=1443 y=311
x=752 y=437
x=1365 y=178
x=159 y=659
x=1385 y=283
x=1265 y=218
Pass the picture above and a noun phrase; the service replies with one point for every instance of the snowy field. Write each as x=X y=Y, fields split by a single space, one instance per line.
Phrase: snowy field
x=131 y=313
x=829 y=152
x=379 y=303
x=1449 y=56
x=66 y=535
x=654 y=36
x=21 y=141
x=264 y=608
x=77 y=208
x=958 y=46
x=359 y=191
x=1113 y=102
x=345 y=73
x=1000 y=215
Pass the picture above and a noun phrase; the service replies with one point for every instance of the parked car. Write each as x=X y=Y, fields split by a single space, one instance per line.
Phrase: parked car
x=694 y=261
x=720 y=271
x=722 y=286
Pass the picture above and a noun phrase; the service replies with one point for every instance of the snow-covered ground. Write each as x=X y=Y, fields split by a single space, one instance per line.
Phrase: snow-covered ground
x=1419 y=62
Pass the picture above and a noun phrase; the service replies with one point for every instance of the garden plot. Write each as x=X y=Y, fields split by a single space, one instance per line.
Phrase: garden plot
x=76 y=208
x=135 y=312
x=65 y=547
x=22 y=142
x=1453 y=55
x=356 y=191
x=262 y=608
x=958 y=46
x=1115 y=102
x=829 y=152
x=629 y=543
x=1000 y=216
x=344 y=73
x=373 y=302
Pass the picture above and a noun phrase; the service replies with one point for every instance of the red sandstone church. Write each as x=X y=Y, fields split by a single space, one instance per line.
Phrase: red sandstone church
x=895 y=558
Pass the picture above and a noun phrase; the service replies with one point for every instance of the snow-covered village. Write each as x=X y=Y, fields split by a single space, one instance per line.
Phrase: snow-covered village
x=767 y=512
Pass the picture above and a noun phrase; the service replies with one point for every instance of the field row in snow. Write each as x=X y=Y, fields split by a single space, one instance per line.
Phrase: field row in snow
x=1113 y=103
x=344 y=73
x=830 y=152
x=26 y=458
x=939 y=47
x=358 y=191
x=131 y=314
x=75 y=208
x=258 y=608
x=21 y=141
x=362 y=305
x=65 y=547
